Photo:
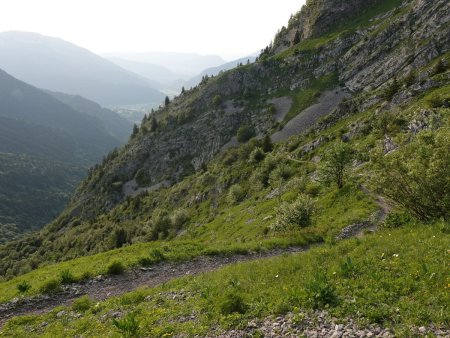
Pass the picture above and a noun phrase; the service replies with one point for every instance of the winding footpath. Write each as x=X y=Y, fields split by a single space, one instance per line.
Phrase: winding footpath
x=103 y=287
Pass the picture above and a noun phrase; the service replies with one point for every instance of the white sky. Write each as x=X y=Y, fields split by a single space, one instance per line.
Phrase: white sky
x=230 y=28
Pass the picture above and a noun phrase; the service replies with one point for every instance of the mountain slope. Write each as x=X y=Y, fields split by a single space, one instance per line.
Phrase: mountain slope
x=57 y=65
x=24 y=103
x=158 y=76
x=375 y=166
x=115 y=125
x=194 y=127
x=33 y=191
x=46 y=147
x=184 y=64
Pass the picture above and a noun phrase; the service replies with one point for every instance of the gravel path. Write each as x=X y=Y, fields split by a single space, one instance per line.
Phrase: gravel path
x=307 y=118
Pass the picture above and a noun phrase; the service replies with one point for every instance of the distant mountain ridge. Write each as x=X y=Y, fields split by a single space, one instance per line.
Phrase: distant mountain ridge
x=54 y=64
x=186 y=64
x=192 y=82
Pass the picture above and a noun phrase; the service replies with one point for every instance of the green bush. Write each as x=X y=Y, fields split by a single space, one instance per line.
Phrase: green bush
x=86 y=276
x=321 y=293
x=440 y=67
x=257 y=155
x=51 y=287
x=217 y=101
x=417 y=178
x=116 y=268
x=245 y=133
x=232 y=303
x=128 y=326
x=66 y=277
x=236 y=194
x=160 y=224
x=179 y=217
x=296 y=214
x=155 y=256
x=391 y=90
x=336 y=163
x=82 y=304
x=395 y=220
x=435 y=101
x=348 y=268
x=23 y=286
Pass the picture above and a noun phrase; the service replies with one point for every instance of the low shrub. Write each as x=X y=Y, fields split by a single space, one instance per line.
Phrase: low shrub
x=116 y=268
x=232 y=303
x=348 y=268
x=155 y=256
x=245 y=133
x=296 y=214
x=179 y=217
x=321 y=293
x=66 y=277
x=435 y=101
x=236 y=194
x=127 y=326
x=395 y=220
x=51 y=287
x=257 y=155
x=23 y=286
x=82 y=304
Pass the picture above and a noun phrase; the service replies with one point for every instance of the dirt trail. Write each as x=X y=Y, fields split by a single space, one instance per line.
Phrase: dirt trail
x=103 y=287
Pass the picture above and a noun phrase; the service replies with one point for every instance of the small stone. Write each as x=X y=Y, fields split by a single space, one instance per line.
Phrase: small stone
x=60 y=314
x=422 y=329
x=338 y=327
x=336 y=334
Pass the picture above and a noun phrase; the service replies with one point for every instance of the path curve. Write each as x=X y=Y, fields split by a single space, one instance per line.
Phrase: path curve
x=103 y=287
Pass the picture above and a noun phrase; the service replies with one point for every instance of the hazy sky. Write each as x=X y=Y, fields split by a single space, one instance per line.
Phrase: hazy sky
x=228 y=27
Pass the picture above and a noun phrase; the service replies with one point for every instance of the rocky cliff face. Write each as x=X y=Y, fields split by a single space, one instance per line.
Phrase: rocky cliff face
x=318 y=18
x=197 y=124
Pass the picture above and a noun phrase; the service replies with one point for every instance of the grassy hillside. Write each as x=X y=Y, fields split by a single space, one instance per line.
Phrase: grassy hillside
x=379 y=279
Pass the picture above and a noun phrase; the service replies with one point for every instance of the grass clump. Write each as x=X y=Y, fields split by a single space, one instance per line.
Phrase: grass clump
x=67 y=277
x=82 y=304
x=50 y=287
x=320 y=291
x=127 y=326
x=23 y=286
x=116 y=268
x=232 y=302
